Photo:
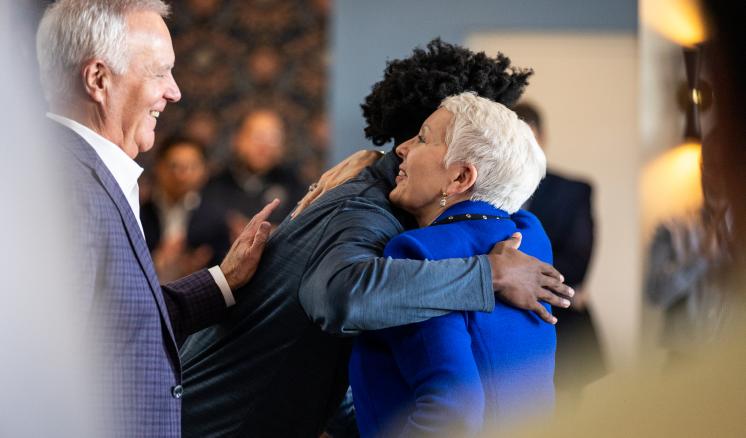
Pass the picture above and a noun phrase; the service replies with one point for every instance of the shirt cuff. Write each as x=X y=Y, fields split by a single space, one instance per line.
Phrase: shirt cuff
x=219 y=277
x=488 y=294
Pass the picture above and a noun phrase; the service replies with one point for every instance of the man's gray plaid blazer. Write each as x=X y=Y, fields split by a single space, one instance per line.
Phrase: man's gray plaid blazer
x=137 y=325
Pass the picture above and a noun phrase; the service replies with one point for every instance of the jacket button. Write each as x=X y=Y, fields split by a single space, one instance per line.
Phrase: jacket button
x=177 y=391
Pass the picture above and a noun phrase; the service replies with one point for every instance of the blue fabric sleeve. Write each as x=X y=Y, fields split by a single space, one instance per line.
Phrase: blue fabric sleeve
x=436 y=360
x=348 y=287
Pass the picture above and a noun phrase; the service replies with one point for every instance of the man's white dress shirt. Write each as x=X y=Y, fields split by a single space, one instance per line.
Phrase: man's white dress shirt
x=126 y=172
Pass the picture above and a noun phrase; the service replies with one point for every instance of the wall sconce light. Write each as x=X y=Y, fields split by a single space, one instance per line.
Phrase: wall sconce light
x=695 y=95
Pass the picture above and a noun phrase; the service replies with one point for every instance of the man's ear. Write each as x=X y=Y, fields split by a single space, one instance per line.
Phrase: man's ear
x=96 y=80
x=463 y=177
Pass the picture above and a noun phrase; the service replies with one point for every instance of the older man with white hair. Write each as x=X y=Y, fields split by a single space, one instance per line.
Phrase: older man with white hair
x=106 y=70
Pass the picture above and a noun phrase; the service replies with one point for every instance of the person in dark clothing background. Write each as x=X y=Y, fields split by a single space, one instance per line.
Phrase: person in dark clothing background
x=579 y=358
x=255 y=174
x=179 y=173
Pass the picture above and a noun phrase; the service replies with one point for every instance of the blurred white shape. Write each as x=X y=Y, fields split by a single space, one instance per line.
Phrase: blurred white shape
x=43 y=352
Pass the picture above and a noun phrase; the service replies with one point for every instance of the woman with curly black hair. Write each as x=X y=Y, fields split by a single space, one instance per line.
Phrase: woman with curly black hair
x=412 y=88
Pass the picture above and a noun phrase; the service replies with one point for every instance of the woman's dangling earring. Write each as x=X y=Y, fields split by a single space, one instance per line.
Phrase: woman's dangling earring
x=443 y=198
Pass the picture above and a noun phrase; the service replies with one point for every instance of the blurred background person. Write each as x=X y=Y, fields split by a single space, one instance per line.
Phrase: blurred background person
x=256 y=172
x=179 y=173
x=563 y=205
x=690 y=257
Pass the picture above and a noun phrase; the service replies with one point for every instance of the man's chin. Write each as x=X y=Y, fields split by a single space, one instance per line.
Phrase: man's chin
x=146 y=144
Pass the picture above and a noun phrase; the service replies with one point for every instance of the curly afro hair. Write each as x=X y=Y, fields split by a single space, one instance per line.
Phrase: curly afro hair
x=413 y=88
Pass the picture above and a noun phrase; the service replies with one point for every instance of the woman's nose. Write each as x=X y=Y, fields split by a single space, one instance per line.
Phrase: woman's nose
x=403 y=149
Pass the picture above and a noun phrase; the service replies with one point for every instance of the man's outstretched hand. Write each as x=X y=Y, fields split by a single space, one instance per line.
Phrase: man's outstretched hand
x=523 y=281
x=240 y=263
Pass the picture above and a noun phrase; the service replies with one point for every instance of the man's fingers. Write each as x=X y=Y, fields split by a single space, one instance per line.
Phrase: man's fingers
x=554 y=300
x=260 y=238
x=551 y=271
x=258 y=218
x=544 y=314
x=263 y=215
x=253 y=252
x=557 y=287
x=515 y=240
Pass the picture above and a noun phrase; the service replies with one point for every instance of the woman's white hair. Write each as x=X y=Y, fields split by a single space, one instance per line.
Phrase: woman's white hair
x=509 y=162
x=72 y=32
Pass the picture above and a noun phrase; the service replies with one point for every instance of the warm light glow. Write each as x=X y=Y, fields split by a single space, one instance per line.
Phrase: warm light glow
x=696 y=97
x=677 y=20
x=670 y=185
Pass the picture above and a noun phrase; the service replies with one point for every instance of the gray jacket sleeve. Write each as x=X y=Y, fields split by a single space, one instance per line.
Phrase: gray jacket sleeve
x=348 y=287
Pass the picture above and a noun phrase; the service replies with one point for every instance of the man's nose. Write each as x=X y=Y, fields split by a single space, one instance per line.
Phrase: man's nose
x=172 y=94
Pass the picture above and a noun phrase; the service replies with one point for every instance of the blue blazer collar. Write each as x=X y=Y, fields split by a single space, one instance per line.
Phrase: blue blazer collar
x=473 y=207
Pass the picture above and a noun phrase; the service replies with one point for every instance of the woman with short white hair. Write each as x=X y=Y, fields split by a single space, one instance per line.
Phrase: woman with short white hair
x=463 y=177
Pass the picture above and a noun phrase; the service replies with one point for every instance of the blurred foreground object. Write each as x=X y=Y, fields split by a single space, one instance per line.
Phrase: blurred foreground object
x=705 y=396
x=689 y=260
x=700 y=399
x=45 y=359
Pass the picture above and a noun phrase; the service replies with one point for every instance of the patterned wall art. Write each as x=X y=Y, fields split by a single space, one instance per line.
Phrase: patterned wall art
x=233 y=56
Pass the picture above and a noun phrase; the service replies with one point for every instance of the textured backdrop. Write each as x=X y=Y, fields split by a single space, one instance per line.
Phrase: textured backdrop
x=234 y=55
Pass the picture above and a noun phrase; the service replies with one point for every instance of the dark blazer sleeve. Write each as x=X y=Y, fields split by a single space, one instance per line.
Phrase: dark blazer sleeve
x=564 y=208
x=573 y=255
x=194 y=302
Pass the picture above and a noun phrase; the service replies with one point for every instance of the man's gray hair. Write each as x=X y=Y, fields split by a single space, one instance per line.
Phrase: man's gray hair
x=72 y=32
x=509 y=162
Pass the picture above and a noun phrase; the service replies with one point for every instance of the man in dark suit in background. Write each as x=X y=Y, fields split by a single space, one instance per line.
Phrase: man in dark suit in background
x=106 y=73
x=564 y=207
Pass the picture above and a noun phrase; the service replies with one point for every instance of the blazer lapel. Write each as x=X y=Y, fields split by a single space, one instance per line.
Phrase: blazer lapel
x=86 y=155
